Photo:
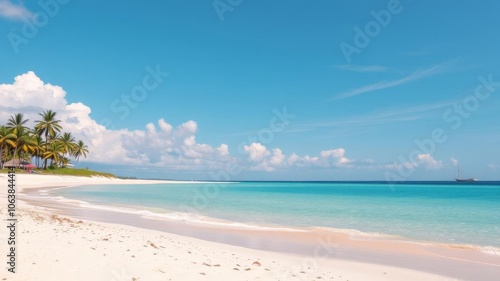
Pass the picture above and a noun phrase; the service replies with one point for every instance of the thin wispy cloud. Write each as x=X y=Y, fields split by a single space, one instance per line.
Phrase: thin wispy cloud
x=373 y=121
x=401 y=114
x=361 y=68
x=417 y=75
x=423 y=108
x=494 y=167
x=13 y=11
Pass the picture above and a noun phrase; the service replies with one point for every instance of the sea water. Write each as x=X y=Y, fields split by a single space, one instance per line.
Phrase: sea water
x=450 y=213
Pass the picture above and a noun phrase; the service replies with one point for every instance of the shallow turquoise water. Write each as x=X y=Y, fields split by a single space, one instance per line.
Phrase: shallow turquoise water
x=447 y=213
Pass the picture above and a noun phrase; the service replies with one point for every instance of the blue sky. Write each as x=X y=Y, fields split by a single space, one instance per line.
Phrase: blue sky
x=357 y=115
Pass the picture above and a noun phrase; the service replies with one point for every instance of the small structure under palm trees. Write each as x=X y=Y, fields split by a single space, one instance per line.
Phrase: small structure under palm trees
x=16 y=163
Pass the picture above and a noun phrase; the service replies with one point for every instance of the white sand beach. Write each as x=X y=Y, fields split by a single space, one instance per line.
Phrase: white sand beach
x=57 y=247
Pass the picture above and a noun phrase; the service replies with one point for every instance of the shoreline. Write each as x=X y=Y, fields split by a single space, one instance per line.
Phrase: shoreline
x=211 y=222
x=406 y=256
x=208 y=221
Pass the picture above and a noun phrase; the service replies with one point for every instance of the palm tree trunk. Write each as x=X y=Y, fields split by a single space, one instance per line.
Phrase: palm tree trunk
x=46 y=146
x=15 y=153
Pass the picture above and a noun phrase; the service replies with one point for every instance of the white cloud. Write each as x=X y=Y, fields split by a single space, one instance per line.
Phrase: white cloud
x=494 y=167
x=401 y=166
x=292 y=159
x=426 y=161
x=157 y=145
x=162 y=145
x=335 y=157
x=429 y=162
x=256 y=152
x=417 y=75
x=454 y=161
x=223 y=150
x=29 y=90
x=263 y=159
x=388 y=116
x=13 y=11
x=277 y=157
x=30 y=96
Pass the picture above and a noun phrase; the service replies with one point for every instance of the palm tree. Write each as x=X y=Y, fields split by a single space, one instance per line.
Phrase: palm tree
x=54 y=152
x=39 y=149
x=18 y=141
x=48 y=126
x=81 y=149
x=67 y=141
x=26 y=148
x=6 y=141
x=23 y=143
x=16 y=123
x=64 y=161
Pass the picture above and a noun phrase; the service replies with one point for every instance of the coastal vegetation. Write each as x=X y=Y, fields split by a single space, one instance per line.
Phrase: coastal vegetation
x=46 y=145
x=67 y=172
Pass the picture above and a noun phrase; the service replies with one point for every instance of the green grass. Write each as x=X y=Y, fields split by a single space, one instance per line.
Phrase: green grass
x=4 y=171
x=66 y=172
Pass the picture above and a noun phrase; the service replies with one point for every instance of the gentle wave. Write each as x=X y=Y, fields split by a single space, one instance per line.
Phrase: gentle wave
x=175 y=216
x=409 y=233
x=357 y=234
x=490 y=250
x=186 y=217
x=212 y=222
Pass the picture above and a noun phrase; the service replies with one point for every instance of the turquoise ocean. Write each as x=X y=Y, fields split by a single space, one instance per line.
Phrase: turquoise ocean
x=438 y=212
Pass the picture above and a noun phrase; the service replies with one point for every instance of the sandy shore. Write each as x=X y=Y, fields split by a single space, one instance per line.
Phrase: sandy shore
x=58 y=247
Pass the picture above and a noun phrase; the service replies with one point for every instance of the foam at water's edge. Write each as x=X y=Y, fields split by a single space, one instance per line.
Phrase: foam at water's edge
x=357 y=234
x=490 y=250
x=175 y=216
x=213 y=222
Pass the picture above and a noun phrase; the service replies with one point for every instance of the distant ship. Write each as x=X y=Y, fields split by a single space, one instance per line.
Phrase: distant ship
x=460 y=179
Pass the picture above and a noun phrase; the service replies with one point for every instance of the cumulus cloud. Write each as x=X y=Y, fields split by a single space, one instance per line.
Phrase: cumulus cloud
x=426 y=161
x=263 y=159
x=162 y=145
x=158 y=144
x=30 y=96
x=223 y=150
x=429 y=162
x=277 y=157
x=256 y=152
x=13 y=11
x=335 y=157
